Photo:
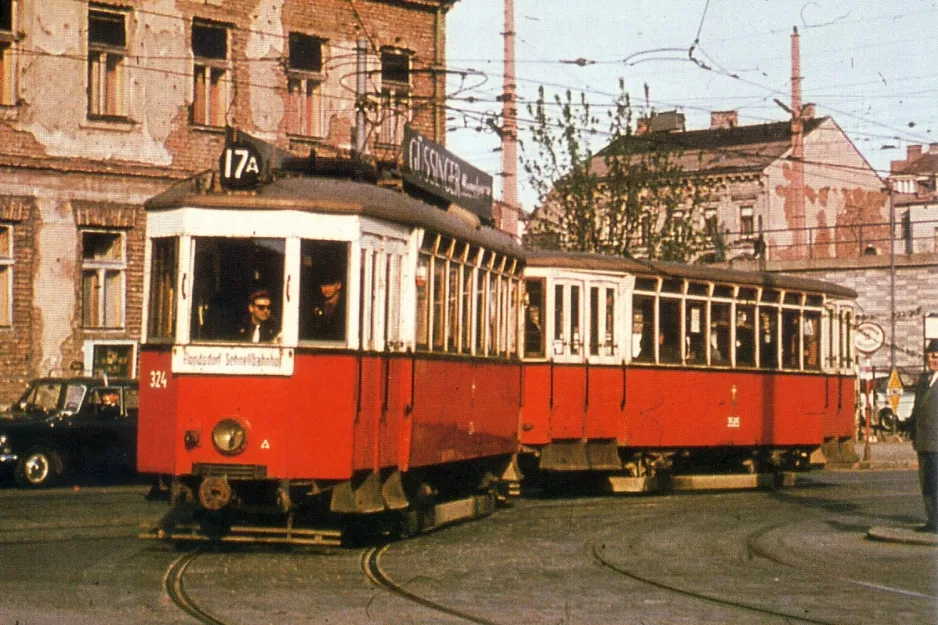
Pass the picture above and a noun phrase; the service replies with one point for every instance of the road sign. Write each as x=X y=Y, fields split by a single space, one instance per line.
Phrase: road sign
x=869 y=337
x=894 y=391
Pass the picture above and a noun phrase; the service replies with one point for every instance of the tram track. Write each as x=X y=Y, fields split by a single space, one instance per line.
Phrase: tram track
x=755 y=547
x=175 y=589
x=595 y=549
x=371 y=566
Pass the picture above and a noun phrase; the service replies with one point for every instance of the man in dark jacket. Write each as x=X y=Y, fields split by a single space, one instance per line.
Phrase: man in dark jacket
x=924 y=427
x=259 y=326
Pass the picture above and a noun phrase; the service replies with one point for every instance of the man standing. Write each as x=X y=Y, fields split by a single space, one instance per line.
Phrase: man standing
x=924 y=428
x=259 y=326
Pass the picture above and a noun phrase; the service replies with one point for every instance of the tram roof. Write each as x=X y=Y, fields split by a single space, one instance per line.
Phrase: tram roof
x=340 y=196
x=599 y=262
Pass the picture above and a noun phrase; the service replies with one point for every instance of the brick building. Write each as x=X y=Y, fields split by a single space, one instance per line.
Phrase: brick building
x=105 y=104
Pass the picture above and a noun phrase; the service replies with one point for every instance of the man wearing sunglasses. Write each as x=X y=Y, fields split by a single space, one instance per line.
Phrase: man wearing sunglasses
x=259 y=326
x=924 y=427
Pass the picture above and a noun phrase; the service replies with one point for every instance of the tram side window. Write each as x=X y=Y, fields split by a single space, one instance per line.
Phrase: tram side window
x=791 y=339
x=643 y=328
x=669 y=331
x=161 y=323
x=720 y=334
x=745 y=335
x=694 y=326
x=768 y=338
x=534 y=319
x=231 y=275
x=423 y=301
x=812 y=340
x=323 y=277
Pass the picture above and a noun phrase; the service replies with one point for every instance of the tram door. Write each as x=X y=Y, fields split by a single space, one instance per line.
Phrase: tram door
x=568 y=350
x=383 y=376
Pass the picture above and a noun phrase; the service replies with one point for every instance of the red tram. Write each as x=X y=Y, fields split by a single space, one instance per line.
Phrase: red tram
x=385 y=373
x=325 y=348
x=642 y=369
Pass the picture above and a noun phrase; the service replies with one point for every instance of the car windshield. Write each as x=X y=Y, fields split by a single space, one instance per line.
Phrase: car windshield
x=42 y=396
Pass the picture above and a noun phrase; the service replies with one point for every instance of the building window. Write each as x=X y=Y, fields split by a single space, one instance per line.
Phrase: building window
x=117 y=359
x=103 y=270
x=209 y=74
x=7 y=56
x=746 y=224
x=107 y=54
x=711 y=223
x=394 y=104
x=304 y=85
x=6 y=276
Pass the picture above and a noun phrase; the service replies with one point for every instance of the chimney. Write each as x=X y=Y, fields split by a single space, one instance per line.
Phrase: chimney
x=933 y=148
x=913 y=151
x=724 y=119
x=807 y=111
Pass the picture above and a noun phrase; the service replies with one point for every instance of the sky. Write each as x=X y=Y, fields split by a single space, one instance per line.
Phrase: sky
x=870 y=65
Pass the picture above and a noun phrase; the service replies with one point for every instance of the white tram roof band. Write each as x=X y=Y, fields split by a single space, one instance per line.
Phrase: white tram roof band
x=575 y=260
x=333 y=196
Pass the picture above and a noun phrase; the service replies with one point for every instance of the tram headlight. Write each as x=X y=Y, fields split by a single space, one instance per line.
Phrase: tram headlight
x=229 y=437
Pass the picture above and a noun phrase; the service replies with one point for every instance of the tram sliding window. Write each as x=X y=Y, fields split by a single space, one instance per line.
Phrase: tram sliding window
x=669 y=331
x=161 y=322
x=695 y=325
x=720 y=333
x=768 y=337
x=643 y=328
x=227 y=272
x=323 y=292
x=534 y=319
x=812 y=339
x=791 y=339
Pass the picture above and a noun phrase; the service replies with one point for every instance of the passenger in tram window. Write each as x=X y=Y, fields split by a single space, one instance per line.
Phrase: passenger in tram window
x=259 y=325
x=745 y=337
x=533 y=331
x=328 y=319
x=768 y=346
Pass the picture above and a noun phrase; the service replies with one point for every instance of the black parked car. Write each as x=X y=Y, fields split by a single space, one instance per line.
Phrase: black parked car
x=66 y=425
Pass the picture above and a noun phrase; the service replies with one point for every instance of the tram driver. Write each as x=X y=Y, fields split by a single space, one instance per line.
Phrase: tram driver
x=259 y=325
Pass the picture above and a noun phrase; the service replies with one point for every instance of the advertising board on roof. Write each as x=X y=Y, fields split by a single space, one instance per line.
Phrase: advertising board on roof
x=432 y=168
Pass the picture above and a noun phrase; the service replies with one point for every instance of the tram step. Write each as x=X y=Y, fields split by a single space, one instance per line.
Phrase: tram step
x=245 y=534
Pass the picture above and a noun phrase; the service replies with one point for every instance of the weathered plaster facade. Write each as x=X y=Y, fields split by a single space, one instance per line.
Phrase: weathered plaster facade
x=66 y=172
x=841 y=190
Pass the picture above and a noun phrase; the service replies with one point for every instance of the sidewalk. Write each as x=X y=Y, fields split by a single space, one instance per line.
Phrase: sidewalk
x=886 y=454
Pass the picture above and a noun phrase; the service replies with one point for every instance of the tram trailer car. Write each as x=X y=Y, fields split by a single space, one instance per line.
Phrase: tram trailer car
x=648 y=369
x=404 y=406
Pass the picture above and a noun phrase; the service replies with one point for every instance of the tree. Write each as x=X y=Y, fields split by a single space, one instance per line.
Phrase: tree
x=631 y=198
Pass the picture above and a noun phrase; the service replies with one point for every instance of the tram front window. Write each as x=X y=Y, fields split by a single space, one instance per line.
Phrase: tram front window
x=237 y=289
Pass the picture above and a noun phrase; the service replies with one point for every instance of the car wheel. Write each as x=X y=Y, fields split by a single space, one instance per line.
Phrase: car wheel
x=38 y=468
x=887 y=421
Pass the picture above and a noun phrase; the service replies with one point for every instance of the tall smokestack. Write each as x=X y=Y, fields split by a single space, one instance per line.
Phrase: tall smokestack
x=510 y=112
x=797 y=222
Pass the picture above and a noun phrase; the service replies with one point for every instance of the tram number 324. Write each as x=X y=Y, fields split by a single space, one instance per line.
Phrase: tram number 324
x=157 y=379
x=732 y=422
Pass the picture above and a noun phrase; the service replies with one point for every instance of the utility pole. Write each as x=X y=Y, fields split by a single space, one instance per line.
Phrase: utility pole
x=892 y=277
x=510 y=127
x=797 y=149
